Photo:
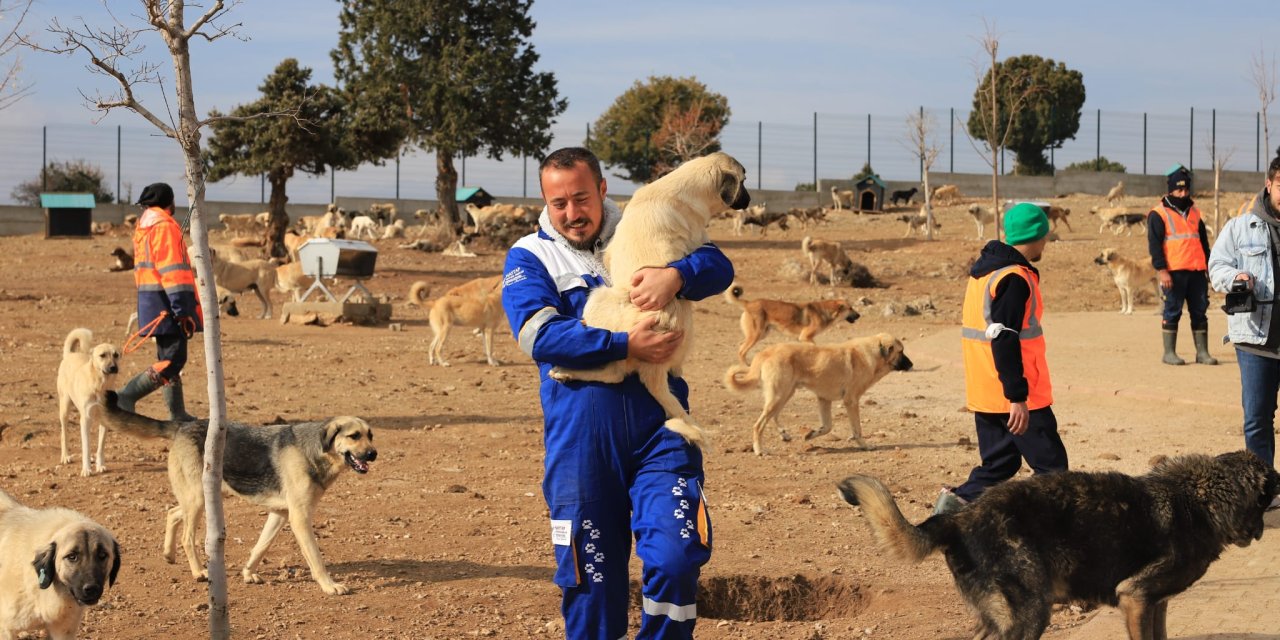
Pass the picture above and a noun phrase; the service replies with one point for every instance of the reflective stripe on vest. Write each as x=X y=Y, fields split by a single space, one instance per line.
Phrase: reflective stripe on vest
x=1182 y=248
x=983 y=389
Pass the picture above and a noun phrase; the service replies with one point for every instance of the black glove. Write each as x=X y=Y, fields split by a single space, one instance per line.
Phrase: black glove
x=187 y=325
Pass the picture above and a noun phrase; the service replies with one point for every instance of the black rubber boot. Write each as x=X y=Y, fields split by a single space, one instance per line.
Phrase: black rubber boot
x=1201 y=337
x=138 y=387
x=174 y=400
x=1170 y=347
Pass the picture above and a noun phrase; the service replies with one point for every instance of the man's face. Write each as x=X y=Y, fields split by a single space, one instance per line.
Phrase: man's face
x=1181 y=192
x=1035 y=250
x=1273 y=192
x=575 y=203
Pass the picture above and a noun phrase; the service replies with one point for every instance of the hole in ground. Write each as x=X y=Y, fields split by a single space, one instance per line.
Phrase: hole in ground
x=795 y=598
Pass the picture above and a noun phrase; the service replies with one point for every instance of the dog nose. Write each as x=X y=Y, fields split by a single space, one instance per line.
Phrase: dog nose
x=371 y=456
x=92 y=591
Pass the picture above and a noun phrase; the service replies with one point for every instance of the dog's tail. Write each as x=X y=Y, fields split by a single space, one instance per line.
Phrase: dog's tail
x=138 y=426
x=804 y=244
x=78 y=341
x=418 y=293
x=909 y=542
x=7 y=502
x=740 y=378
x=734 y=294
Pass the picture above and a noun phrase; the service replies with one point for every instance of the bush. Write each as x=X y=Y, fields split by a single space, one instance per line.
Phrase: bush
x=865 y=171
x=1101 y=164
x=73 y=176
x=805 y=186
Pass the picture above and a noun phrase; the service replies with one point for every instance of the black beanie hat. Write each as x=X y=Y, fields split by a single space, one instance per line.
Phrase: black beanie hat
x=157 y=194
x=1179 y=179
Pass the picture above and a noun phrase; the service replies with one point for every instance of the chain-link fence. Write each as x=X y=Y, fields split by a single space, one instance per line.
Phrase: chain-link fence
x=777 y=155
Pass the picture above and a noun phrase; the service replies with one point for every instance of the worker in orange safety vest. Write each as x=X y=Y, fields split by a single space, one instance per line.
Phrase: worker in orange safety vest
x=1179 y=248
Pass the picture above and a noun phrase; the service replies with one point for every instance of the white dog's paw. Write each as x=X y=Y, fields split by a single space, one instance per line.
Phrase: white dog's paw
x=335 y=589
x=85 y=471
x=250 y=577
x=99 y=467
x=65 y=459
x=559 y=375
x=201 y=576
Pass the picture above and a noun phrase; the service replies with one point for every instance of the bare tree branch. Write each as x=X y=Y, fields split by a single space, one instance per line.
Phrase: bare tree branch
x=1264 y=79
x=11 y=88
x=922 y=142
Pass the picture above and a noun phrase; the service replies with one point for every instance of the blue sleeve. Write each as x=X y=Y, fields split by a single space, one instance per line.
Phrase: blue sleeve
x=543 y=328
x=706 y=272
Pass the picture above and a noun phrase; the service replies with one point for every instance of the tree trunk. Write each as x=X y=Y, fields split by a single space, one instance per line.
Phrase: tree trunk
x=447 y=188
x=278 y=223
x=189 y=138
x=928 y=205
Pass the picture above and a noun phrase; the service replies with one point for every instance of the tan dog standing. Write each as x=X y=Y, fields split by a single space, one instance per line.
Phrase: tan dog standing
x=1128 y=275
x=238 y=277
x=803 y=321
x=54 y=563
x=83 y=376
x=836 y=372
x=666 y=220
x=483 y=312
x=820 y=252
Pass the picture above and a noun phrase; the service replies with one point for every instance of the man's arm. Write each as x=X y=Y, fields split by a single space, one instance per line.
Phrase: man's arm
x=532 y=300
x=706 y=272
x=1008 y=308
x=1224 y=259
x=1204 y=239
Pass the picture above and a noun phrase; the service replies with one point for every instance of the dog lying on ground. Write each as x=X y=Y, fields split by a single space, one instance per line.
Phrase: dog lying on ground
x=905 y=195
x=803 y=321
x=1128 y=275
x=84 y=374
x=982 y=216
x=666 y=220
x=832 y=372
x=819 y=252
x=54 y=563
x=238 y=277
x=1096 y=538
x=917 y=222
x=393 y=230
x=124 y=260
x=283 y=468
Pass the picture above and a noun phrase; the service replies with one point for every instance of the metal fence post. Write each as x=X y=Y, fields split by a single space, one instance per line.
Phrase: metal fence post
x=332 y=177
x=1213 y=138
x=1097 y=149
x=44 y=158
x=1144 y=143
x=868 y=140
x=118 y=165
x=262 y=190
x=464 y=171
x=952 y=144
x=398 y=152
x=524 y=177
x=922 y=144
x=815 y=151
x=1257 y=141
x=1191 y=146
x=759 y=152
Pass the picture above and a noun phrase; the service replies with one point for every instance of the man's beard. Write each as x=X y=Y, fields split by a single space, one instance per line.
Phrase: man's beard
x=587 y=244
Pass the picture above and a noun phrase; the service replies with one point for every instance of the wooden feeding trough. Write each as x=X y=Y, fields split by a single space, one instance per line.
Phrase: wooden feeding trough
x=323 y=258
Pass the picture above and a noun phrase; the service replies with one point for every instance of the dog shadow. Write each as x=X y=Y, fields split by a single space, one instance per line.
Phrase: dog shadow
x=817 y=449
x=409 y=423
x=408 y=573
x=1233 y=636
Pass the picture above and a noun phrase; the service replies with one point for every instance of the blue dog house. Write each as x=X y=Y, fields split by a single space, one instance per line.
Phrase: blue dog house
x=473 y=195
x=68 y=215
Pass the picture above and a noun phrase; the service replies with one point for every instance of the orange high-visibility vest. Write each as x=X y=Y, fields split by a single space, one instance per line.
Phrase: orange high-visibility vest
x=1182 y=248
x=983 y=391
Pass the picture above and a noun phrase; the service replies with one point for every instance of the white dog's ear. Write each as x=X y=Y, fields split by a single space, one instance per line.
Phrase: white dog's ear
x=44 y=565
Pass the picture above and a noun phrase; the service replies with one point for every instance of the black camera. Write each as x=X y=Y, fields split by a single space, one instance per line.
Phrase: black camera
x=1240 y=298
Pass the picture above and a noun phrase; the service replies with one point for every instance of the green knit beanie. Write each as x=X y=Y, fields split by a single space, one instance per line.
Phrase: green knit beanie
x=1025 y=223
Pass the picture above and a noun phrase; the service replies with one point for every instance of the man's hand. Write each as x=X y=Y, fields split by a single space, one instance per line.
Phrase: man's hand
x=1247 y=277
x=647 y=345
x=1018 y=418
x=187 y=325
x=1166 y=280
x=652 y=288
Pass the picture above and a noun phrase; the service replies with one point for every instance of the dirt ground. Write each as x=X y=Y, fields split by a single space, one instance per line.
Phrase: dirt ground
x=447 y=536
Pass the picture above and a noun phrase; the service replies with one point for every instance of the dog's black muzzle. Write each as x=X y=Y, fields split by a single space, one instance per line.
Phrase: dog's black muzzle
x=852 y=316
x=903 y=364
x=88 y=595
x=742 y=201
x=1099 y=260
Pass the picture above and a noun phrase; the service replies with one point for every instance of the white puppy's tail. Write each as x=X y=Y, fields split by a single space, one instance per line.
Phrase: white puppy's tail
x=78 y=341
x=804 y=244
x=418 y=293
x=740 y=378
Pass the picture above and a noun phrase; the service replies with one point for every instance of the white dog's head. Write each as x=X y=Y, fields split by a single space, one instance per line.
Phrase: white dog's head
x=106 y=358
x=711 y=183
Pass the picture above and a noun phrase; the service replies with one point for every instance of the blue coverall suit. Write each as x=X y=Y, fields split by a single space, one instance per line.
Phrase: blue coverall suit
x=611 y=468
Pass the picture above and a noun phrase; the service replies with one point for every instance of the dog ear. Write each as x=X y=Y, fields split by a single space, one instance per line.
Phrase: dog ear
x=732 y=192
x=44 y=565
x=331 y=433
x=115 y=564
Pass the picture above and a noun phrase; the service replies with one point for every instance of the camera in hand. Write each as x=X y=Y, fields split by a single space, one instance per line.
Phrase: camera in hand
x=1240 y=298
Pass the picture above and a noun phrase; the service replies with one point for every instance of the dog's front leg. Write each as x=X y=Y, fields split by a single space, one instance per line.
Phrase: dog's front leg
x=86 y=415
x=488 y=347
x=300 y=522
x=64 y=412
x=275 y=522
x=611 y=373
x=855 y=419
x=824 y=415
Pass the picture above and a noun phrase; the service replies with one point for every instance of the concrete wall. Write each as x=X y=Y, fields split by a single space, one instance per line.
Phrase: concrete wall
x=1040 y=187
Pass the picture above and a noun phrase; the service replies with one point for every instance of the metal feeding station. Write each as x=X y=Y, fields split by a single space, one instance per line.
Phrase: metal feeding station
x=324 y=258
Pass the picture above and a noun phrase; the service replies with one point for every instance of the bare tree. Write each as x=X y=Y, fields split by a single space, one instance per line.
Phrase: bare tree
x=12 y=14
x=111 y=52
x=1264 y=79
x=1000 y=97
x=1220 y=159
x=921 y=140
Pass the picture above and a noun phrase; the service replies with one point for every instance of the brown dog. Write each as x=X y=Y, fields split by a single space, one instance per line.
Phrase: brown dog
x=1128 y=275
x=801 y=320
x=837 y=372
x=124 y=260
x=821 y=251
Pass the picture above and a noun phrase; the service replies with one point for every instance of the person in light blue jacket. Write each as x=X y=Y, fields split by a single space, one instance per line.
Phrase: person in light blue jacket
x=1246 y=251
x=611 y=470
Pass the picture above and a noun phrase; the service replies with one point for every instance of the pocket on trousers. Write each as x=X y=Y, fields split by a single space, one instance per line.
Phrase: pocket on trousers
x=566 y=532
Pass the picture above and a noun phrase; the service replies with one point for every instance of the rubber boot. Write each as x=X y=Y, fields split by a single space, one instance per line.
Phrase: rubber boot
x=1170 y=348
x=1201 y=337
x=174 y=400
x=138 y=387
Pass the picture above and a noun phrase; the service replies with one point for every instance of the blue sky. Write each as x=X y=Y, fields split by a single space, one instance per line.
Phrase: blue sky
x=777 y=62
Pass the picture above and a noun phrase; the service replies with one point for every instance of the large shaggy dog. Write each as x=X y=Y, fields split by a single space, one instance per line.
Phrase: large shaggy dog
x=1098 y=538
x=54 y=563
x=666 y=220
x=832 y=372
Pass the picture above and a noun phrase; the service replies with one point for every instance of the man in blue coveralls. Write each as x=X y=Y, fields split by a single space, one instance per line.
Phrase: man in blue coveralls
x=612 y=470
